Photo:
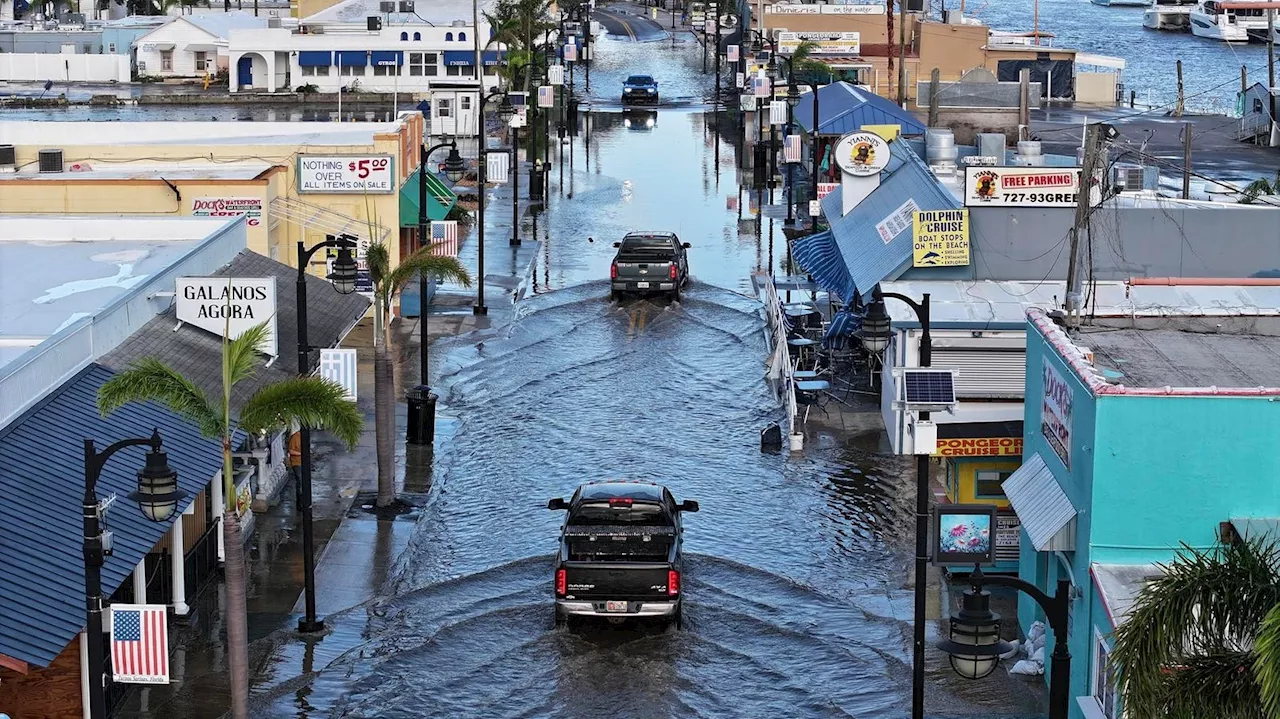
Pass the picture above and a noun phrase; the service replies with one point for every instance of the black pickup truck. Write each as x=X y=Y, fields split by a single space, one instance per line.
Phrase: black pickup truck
x=620 y=552
x=649 y=262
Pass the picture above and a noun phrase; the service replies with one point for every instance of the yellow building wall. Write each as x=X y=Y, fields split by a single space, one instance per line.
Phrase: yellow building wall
x=962 y=478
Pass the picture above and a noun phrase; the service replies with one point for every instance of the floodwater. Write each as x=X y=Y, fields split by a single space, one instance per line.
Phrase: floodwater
x=796 y=577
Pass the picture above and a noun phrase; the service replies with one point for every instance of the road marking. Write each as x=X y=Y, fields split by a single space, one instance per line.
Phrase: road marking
x=625 y=25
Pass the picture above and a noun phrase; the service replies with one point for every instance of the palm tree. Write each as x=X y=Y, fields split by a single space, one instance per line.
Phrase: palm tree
x=803 y=63
x=313 y=401
x=387 y=283
x=521 y=25
x=1260 y=187
x=1203 y=638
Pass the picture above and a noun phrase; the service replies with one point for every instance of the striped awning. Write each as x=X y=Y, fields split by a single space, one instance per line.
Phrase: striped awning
x=820 y=256
x=1046 y=513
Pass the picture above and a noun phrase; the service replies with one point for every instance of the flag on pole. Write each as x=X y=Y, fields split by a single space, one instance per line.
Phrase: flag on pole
x=761 y=87
x=444 y=238
x=571 y=52
x=732 y=53
x=555 y=74
x=339 y=365
x=778 y=112
x=546 y=96
x=496 y=167
x=791 y=149
x=139 y=643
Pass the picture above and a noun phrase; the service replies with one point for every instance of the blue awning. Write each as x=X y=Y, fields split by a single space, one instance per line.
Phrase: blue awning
x=353 y=58
x=387 y=58
x=315 y=58
x=492 y=57
x=41 y=490
x=459 y=57
x=820 y=257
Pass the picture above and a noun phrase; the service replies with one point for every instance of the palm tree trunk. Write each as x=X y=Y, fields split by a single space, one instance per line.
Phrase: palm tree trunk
x=384 y=416
x=237 y=619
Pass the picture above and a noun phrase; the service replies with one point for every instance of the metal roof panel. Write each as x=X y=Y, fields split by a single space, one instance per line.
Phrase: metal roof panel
x=844 y=108
x=1042 y=506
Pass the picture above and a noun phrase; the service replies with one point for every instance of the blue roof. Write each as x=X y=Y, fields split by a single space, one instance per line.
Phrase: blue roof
x=845 y=108
x=868 y=258
x=41 y=489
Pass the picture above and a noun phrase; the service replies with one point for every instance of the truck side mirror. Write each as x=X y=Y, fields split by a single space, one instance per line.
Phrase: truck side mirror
x=685 y=245
x=557 y=503
x=617 y=244
x=688 y=505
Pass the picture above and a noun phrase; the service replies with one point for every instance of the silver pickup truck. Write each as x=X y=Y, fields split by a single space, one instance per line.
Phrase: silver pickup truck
x=649 y=262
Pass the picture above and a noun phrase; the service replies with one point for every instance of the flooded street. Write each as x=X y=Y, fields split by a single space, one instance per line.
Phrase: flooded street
x=797 y=568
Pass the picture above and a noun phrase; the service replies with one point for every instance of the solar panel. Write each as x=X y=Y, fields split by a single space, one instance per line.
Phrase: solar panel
x=934 y=387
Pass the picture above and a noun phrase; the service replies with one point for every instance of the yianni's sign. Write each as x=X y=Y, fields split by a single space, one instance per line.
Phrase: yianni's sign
x=229 y=305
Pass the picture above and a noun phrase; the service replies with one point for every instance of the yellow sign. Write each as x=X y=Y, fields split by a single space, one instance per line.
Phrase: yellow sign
x=888 y=132
x=941 y=238
x=979 y=447
x=244 y=498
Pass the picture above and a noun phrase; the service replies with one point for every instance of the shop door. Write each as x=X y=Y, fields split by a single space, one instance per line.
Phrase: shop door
x=244 y=72
x=443 y=121
x=467 y=114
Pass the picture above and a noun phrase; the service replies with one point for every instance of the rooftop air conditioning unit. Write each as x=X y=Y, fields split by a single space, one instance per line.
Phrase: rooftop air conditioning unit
x=406 y=6
x=1136 y=179
x=459 y=23
x=374 y=23
x=387 y=6
x=50 y=160
x=8 y=158
x=274 y=22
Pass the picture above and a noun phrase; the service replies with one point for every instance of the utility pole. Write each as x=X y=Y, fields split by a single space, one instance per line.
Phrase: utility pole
x=1092 y=140
x=1186 y=161
x=902 y=54
x=716 y=102
x=1244 y=78
x=933 y=98
x=1271 y=70
x=1177 y=110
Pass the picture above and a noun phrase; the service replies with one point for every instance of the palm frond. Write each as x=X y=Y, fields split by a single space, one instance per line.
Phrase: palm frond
x=316 y=402
x=1218 y=685
x=424 y=263
x=150 y=380
x=378 y=258
x=242 y=352
x=1266 y=666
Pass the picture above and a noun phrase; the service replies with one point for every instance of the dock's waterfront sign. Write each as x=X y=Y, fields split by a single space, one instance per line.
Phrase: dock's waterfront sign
x=346 y=174
x=1021 y=186
x=1055 y=413
x=229 y=304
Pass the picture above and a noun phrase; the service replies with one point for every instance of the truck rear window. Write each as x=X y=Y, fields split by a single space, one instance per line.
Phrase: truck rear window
x=639 y=80
x=605 y=514
x=647 y=248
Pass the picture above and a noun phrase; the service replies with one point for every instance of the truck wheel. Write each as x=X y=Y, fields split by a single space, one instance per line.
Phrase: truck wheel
x=675 y=294
x=558 y=618
x=678 y=620
x=614 y=296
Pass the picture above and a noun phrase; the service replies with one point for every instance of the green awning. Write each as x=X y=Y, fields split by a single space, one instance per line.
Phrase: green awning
x=440 y=199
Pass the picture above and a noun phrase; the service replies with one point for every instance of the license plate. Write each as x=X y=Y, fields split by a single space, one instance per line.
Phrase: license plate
x=642 y=285
x=615 y=606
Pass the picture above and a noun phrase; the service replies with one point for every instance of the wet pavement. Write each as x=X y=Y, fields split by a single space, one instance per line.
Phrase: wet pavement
x=797 y=576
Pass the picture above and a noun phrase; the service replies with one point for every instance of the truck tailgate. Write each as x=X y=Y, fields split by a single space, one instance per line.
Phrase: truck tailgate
x=651 y=270
x=603 y=581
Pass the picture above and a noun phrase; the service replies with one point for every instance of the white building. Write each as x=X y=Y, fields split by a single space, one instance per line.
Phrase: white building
x=191 y=45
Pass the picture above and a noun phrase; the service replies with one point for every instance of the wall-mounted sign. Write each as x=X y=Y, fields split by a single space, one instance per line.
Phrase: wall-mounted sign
x=897 y=221
x=228 y=207
x=229 y=304
x=1021 y=186
x=979 y=447
x=964 y=534
x=847 y=43
x=781 y=9
x=1008 y=530
x=941 y=238
x=1055 y=413
x=862 y=154
x=346 y=174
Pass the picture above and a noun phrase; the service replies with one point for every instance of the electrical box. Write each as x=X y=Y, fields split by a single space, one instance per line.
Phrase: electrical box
x=925 y=436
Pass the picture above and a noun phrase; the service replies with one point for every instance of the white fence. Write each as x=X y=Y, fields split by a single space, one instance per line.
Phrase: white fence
x=39 y=67
x=780 y=369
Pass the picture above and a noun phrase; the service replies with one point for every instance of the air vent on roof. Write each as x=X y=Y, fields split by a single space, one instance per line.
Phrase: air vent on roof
x=406 y=6
x=51 y=160
x=8 y=158
x=387 y=6
x=375 y=23
x=274 y=22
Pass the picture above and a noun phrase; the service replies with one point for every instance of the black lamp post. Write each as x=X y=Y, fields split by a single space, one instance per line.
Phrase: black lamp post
x=773 y=72
x=793 y=99
x=816 y=145
x=975 y=647
x=344 y=274
x=875 y=336
x=504 y=109
x=158 y=496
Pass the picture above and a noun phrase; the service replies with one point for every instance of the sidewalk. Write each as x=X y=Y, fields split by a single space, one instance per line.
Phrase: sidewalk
x=356 y=552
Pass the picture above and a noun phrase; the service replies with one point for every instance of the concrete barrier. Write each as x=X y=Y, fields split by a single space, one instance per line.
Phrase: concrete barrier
x=38 y=67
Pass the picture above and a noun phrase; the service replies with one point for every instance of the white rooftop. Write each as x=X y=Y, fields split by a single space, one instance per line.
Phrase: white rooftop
x=59 y=134
x=981 y=303
x=56 y=269
x=171 y=171
x=438 y=12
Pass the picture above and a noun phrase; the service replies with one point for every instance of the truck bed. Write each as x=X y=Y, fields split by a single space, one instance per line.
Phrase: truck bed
x=619 y=543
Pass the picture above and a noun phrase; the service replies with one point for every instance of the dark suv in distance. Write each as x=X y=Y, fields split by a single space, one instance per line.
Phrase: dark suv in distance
x=619 y=552
x=649 y=262
x=640 y=90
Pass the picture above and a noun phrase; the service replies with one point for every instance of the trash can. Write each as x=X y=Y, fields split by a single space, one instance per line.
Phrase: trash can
x=422 y=415
x=535 y=181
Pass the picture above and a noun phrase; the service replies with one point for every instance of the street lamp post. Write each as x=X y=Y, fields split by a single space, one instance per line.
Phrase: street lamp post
x=816 y=152
x=514 y=241
x=876 y=333
x=345 y=270
x=975 y=647
x=158 y=496
x=504 y=111
x=793 y=99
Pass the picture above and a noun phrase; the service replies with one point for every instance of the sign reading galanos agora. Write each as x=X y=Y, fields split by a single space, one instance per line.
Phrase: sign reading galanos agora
x=1021 y=186
x=346 y=174
x=229 y=304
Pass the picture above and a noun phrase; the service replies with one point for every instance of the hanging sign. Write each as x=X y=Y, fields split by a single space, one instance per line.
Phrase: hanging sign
x=844 y=43
x=897 y=221
x=571 y=52
x=778 y=112
x=546 y=96
x=791 y=149
x=941 y=238
x=140 y=643
x=555 y=74
x=748 y=102
x=339 y=366
x=228 y=207
x=862 y=154
x=1055 y=412
x=229 y=304
x=1021 y=186
x=344 y=174
x=731 y=52
x=496 y=167
x=979 y=447
x=761 y=87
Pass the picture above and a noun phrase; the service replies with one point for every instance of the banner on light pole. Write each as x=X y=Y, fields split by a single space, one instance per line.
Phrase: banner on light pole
x=761 y=86
x=571 y=52
x=778 y=112
x=546 y=96
x=791 y=149
x=555 y=74
x=748 y=103
x=732 y=52
x=496 y=167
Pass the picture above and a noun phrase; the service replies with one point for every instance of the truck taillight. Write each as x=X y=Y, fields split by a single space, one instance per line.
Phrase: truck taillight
x=613 y=271
x=674 y=269
x=562 y=586
x=673 y=582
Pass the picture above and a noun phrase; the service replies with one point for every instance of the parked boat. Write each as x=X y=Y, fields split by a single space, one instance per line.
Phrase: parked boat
x=1122 y=3
x=1230 y=22
x=1168 y=15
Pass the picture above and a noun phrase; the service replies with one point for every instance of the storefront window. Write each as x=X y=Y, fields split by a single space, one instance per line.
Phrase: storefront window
x=988 y=483
x=1104 y=680
x=422 y=64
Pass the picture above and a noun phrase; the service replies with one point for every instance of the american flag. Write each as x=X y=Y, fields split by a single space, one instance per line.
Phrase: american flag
x=791 y=149
x=444 y=238
x=139 y=643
